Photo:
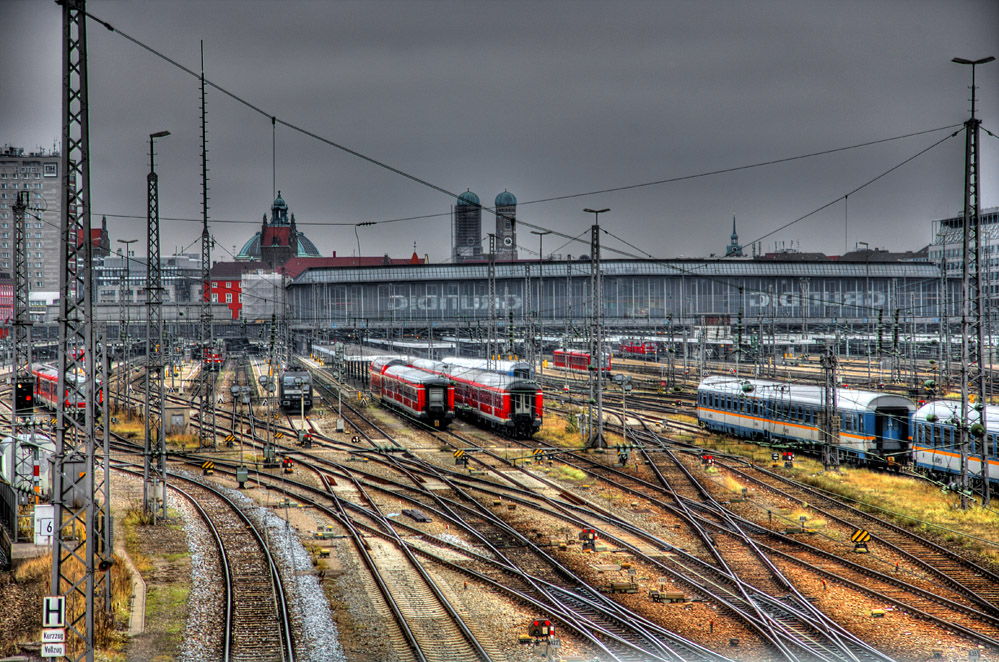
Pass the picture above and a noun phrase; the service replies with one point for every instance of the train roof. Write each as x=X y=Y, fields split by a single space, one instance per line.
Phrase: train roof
x=414 y=375
x=846 y=398
x=948 y=410
x=49 y=370
x=498 y=366
x=491 y=379
x=379 y=364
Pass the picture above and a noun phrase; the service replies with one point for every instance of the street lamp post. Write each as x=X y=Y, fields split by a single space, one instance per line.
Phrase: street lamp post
x=597 y=440
x=300 y=384
x=541 y=295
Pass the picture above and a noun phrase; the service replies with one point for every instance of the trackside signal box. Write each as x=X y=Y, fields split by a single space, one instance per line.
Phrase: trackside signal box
x=788 y=460
x=589 y=537
x=540 y=629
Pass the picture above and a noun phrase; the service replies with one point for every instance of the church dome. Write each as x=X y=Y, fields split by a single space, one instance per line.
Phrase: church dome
x=468 y=198
x=506 y=199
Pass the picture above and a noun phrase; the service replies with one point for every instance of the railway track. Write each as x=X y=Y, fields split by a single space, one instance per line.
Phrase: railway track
x=256 y=622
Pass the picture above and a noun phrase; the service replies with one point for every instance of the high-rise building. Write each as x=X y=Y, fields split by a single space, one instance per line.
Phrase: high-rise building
x=506 y=226
x=948 y=240
x=467 y=228
x=39 y=174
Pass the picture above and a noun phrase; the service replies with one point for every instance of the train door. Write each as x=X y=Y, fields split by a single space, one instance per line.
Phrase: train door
x=521 y=403
x=891 y=428
x=435 y=397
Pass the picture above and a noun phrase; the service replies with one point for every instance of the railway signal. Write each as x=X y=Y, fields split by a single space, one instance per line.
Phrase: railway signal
x=540 y=629
x=23 y=397
x=589 y=538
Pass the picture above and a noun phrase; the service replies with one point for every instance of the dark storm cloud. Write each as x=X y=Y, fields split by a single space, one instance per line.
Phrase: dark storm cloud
x=545 y=99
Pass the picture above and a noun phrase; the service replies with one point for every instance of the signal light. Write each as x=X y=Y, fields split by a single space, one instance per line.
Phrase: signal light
x=23 y=396
x=541 y=629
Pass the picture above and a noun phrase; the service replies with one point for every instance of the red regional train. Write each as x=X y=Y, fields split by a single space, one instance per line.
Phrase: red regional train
x=509 y=404
x=638 y=349
x=576 y=360
x=46 y=379
x=425 y=396
x=512 y=405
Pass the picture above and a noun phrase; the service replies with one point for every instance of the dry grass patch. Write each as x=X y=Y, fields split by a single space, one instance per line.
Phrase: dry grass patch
x=555 y=430
x=916 y=504
x=563 y=472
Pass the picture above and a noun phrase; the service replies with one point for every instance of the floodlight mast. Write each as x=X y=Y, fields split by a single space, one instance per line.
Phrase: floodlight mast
x=973 y=302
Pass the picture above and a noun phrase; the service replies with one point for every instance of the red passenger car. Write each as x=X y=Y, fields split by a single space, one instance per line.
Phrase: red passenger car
x=509 y=404
x=576 y=360
x=422 y=395
x=46 y=379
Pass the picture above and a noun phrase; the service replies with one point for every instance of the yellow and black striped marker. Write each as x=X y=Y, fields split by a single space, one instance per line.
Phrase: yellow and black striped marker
x=208 y=467
x=860 y=538
x=278 y=435
x=229 y=439
x=460 y=457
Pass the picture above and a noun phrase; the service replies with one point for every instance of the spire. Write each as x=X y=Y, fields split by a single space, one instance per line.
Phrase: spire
x=734 y=249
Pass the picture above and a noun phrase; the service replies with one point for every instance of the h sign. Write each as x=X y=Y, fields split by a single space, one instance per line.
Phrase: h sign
x=54 y=611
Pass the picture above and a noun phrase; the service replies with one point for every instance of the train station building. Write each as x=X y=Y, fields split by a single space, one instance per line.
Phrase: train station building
x=637 y=294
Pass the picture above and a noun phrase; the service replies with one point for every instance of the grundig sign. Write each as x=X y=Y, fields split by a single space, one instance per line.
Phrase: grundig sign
x=453 y=302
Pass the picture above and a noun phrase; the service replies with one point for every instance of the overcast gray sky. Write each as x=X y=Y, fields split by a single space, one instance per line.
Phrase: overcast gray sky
x=546 y=99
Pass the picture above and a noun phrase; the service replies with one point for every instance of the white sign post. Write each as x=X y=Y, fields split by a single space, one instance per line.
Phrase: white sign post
x=53 y=611
x=44 y=518
x=53 y=626
x=53 y=650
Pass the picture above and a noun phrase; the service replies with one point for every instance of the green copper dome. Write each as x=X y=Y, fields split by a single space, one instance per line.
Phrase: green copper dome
x=468 y=198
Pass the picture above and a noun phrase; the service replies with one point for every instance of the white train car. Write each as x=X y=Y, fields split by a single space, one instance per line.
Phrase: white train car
x=873 y=427
x=518 y=369
x=936 y=439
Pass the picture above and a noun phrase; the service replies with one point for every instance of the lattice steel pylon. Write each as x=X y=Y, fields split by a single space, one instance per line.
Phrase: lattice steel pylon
x=23 y=459
x=154 y=465
x=74 y=540
x=597 y=360
x=206 y=386
x=973 y=350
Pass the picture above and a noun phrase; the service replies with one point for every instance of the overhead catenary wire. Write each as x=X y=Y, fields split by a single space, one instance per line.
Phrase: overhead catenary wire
x=273 y=119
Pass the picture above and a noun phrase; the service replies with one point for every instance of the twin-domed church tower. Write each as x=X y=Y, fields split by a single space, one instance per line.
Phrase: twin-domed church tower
x=468 y=237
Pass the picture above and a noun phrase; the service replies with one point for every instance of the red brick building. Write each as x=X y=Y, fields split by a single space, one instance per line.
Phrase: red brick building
x=226 y=283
